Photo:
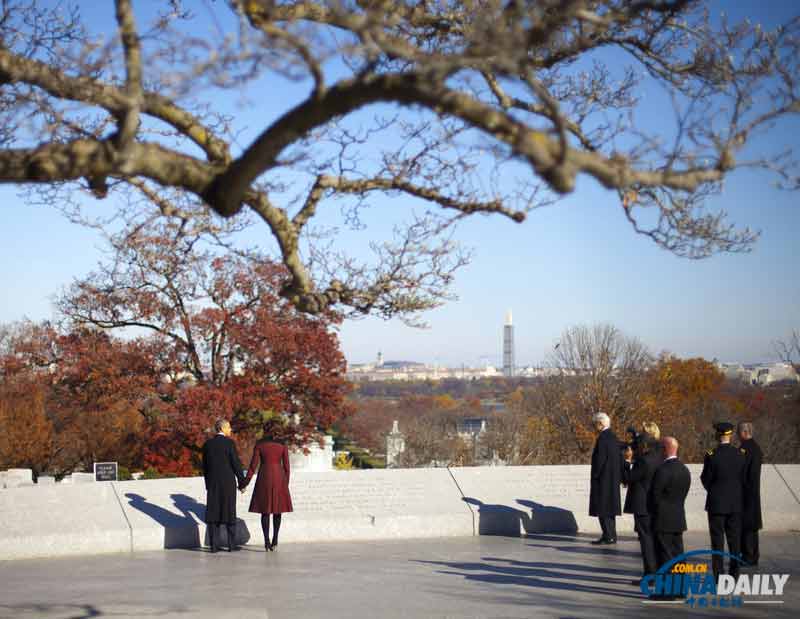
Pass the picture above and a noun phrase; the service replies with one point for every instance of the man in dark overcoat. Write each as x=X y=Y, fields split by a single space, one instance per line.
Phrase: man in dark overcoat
x=637 y=473
x=723 y=479
x=666 y=502
x=751 y=504
x=222 y=471
x=606 y=474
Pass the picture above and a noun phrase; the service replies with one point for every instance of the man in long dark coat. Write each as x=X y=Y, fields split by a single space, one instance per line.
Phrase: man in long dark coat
x=604 y=501
x=723 y=479
x=222 y=471
x=666 y=502
x=637 y=473
x=751 y=505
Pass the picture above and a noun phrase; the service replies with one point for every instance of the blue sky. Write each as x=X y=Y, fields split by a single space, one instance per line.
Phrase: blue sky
x=576 y=262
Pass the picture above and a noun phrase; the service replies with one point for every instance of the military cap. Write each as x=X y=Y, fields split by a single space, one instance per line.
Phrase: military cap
x=723 y=428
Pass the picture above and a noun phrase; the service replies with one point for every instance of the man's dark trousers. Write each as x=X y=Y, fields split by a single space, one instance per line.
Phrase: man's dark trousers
x=720 y=527
x=643 y=527
x=608 y=524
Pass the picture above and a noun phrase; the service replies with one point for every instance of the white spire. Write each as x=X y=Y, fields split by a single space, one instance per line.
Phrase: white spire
x=508 y=318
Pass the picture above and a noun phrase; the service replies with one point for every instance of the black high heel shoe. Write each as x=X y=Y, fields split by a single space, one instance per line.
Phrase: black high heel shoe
x=273 y=547
x=268 y=547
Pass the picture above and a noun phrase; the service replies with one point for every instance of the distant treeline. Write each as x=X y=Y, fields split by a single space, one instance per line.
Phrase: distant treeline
x=548 y=420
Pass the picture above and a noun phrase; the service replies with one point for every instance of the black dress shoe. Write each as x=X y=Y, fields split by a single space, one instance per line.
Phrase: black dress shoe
x=214 y=549
x=602 y=541
x=233 y=549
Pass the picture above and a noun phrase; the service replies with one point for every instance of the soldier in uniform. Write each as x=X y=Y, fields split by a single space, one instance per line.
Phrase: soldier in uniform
x=751 y=507
x=723 y=479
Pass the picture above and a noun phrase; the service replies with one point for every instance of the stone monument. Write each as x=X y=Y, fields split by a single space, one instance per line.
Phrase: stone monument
x=395 y=445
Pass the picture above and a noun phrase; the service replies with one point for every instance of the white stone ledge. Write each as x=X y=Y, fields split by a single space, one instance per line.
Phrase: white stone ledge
x=66 y=519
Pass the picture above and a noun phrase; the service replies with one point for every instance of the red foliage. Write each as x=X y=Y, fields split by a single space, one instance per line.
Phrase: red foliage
x=223 y=342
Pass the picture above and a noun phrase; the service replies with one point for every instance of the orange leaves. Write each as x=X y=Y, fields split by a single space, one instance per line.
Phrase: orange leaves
x=26 y=439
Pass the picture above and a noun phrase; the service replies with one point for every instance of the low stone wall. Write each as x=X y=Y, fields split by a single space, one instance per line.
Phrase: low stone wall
x=540 y=499
x=100 y=517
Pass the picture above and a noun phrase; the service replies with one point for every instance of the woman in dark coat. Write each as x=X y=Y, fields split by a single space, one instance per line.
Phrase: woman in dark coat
x=271 y=494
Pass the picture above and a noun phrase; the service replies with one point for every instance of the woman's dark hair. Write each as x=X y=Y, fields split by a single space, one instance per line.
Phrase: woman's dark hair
x=272 y=431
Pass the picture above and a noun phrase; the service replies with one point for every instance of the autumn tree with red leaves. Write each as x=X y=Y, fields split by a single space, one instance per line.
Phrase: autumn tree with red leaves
x=72 y=399
x=224 y=343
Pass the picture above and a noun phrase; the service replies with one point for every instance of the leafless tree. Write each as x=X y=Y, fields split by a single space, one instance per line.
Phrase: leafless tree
x=479 y=106
x=605 y=365
x=789 y=350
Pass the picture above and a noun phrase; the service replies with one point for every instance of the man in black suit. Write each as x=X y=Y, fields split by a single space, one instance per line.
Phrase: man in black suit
x=723 y=479
x=606 y=475
x=751 y=506
x=222 y=471
x=637 y=473
x=666 y=502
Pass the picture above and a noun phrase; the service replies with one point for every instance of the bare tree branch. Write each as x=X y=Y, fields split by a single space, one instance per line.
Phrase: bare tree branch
x=491 y=107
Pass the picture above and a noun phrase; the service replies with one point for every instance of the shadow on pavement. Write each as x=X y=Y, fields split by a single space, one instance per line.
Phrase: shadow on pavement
x=59 y=611
x=539 y=575
x=572 y=567
x=603 y=550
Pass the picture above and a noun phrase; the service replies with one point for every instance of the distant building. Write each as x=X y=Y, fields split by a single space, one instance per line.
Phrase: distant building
x=508 y=347
x=762 y=374
x=471 y=427
x=413 y=371
x=774 y=373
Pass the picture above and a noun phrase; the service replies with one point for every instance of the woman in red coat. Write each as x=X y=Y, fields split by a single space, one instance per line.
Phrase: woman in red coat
x=271 y=494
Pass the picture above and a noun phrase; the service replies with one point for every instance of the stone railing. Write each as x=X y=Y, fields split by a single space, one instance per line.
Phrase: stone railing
x=84 y=518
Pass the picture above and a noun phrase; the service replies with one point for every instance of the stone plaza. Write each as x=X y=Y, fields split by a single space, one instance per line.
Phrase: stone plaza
x=443 y=542
x=538 y=575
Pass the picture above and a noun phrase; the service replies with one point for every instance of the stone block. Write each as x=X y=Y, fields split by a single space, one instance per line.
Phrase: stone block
x=45 y=480
x=164 y=513
x=526 y=499
x=780 y=496
x=16 y=478
x=543 y=499
x=375 y=504
x=61 y=520
x=337 y=505
x=82 y=478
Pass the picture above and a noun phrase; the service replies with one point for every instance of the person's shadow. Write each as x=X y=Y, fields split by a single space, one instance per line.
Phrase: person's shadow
x=192 y=509
x=548 y=518
x=495 y=519
x=182 y=529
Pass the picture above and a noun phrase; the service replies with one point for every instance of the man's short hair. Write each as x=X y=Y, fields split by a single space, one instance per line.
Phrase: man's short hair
x=602 y=418
x=746 y=426
x=219 y=424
